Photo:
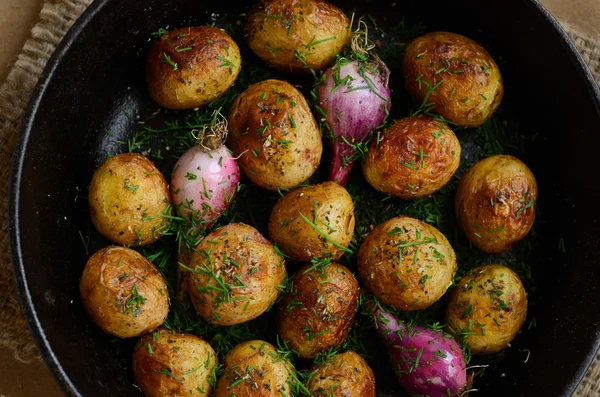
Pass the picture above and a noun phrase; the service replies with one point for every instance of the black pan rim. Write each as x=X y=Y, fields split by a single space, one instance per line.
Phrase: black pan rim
x=28 y=120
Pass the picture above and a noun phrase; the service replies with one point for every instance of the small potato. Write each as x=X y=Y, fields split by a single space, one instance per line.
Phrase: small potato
x=192 y=66
x=489 y=305
x=123 y=293
x=406 y=263
x=456 y=74
x=313 y=221
x=495 y=203
x=318 y=311
x=342 y=375
x=295 y=36
x=254 y=368
x=174 y=365
x=415 y=157
x=236 y=275
x=128 y=197
x=275 y=135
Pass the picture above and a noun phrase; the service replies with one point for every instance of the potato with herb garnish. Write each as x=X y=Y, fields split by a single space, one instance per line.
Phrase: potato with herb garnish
x=297 y=36
x=406 y=263
x=342 y=375
x=488 y=307
x=495 y=203
x=237 y=275
x=127 y=198
x=415 y=157
x=256 y=368
x=177 y=365
x=192 y=66
x=456 y=77
x=313 y=222
x=318 y=311
x=275 y=135
x=123 y=293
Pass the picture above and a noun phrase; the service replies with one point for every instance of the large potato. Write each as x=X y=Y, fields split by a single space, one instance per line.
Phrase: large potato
x=123 y=293
x=275 y=135
x=488 y=306
x=294 y=36
x=174 y=365
x=456 y=74
x=236 y=275
x=318 y=311
x=192 y=66
x=128 y=197
x=406 y=263
x=495 y=203
x=342 y=375
x=313 y=221
x=415 y=157
x=255 y=368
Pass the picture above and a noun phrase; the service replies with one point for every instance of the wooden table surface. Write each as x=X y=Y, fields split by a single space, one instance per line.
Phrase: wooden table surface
x=17 y=17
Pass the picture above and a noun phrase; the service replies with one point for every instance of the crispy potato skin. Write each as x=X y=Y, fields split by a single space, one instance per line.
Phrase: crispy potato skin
x=275 y=135
x=300 y=240
x=495 y=203
x=415 y=157
x=208 y=62
x=472 y=88
x=325 y=302
x=112 y=279
x=265 y=374
x=240 y=256
x=126 y=197
x=189 y=359
x=282 y=33
x=343 y=375
x=492 y=297
x=423 y=275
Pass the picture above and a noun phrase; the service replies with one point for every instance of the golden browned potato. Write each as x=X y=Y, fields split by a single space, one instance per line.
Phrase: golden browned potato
x=128 y=197
x=236 y=275
x=495 y=203
x=168 y=364
x=342 y=375
x=415 y=157
x=293 y=36
x=255 y=368
x=275 y=135
x=489 y=305
x=318 y=311
x=123 y=293
x=192 y=66
x=406 y=263
x=313 y=221
x=456 y=74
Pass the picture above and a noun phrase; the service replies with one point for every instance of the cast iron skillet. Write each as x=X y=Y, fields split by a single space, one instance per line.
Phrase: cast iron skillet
x=96 y=75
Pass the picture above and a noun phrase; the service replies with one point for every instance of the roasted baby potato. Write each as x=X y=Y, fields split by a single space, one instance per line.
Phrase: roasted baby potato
x=236 y=275
x=318 y=311
x=192 y=66
x=123 y=293
x=415 y=157
x=495 y=203
x=255 y=368
x=275 y=135
x=342 y=375
x=456 y=74
x=168 y=364
x=294 y=36
x=406 y=263
x=313 y=221
x=128 y=197
x=489 y=305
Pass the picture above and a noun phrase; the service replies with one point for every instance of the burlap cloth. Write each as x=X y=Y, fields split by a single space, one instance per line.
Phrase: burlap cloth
x=55 y=19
